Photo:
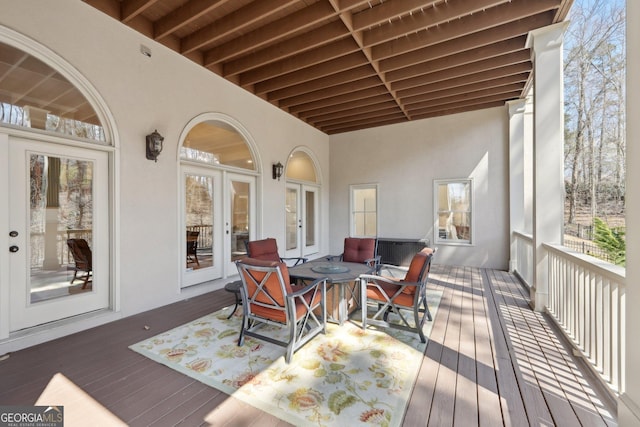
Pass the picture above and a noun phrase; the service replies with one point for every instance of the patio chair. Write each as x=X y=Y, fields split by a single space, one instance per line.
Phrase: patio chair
x=267 y=250
x=83 y=260
x=268 y=298
x=397 y=295
x=192 y=247
x=359 y=250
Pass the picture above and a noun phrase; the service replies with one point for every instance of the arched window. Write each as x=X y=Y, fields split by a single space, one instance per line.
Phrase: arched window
x=217 y=143
x=300 y=167
x=36 y=96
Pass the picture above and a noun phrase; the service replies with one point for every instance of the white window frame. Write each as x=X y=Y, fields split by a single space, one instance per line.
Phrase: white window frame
x=437 y=210
x=352 y=213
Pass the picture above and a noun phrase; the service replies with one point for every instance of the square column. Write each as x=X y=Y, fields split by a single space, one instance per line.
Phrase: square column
x=516 y=174
x=548 y=147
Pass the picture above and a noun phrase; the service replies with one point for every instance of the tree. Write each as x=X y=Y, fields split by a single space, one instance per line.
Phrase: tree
x=610 y=240
x=594 y=107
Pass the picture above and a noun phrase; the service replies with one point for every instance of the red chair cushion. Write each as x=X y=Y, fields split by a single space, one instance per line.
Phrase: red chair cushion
x=266 y=249
x=374 y=293
x=358 y=250
x=415 y=268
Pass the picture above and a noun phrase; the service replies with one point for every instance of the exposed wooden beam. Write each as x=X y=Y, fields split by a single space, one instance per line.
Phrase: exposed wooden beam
x=234 y=22
x=184 y=15
x=270 y=33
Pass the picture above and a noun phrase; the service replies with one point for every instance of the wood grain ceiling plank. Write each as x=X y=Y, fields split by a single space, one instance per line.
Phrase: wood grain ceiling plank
x=498 y=91
x=464 y=26
x=360 y=115
x=457 y=110
x=317 y=118
x=302 y=61
x=472 y=87
x=236 y=21
x=342 y=99
x=321 y=70
x=473 y=41
x=387 y=11
x=353 y=126
x=129 y=9
x=458 y=59
x=270 y=33
x=304 y=42
x=483 y=76
x=184 y=15
x=333 y=91
x=323 y=83
x=467 y=69
x=467 y=103
x=348 y=106
x=443 y=14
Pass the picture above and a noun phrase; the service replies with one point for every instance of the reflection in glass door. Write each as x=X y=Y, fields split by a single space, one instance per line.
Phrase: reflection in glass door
x=201 y=253
x=241 y=216
x=58 y=215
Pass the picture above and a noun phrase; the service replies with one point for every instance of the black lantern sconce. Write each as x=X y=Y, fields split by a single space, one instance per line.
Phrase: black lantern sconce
x=278 y=169
x=154 y=145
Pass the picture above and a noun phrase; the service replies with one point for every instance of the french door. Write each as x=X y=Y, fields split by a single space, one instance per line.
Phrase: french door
x=57 y=193
x=240 y=217
x=301 y=216
x=219 y=217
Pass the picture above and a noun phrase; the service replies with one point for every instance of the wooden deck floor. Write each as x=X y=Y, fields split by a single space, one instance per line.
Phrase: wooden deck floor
x=490 y=361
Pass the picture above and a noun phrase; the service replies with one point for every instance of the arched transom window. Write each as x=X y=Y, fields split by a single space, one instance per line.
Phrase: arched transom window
x=36 y=96
x=217 y=143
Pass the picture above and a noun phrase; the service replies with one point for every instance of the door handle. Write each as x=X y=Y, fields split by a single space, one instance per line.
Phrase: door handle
x=13 y=248
x=13 y=233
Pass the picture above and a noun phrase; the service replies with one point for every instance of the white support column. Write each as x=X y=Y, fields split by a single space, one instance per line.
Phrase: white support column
x=629 y=401
x=516 y=174
x=528 y=165
x=548 y=148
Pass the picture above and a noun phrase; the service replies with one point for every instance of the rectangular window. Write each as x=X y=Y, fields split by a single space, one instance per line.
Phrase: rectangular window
x=364 y=210
x=453 y=210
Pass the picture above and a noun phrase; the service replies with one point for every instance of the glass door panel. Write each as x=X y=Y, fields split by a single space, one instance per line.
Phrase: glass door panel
x=301 y=213
x=59 y=216
x=240 y=216
x=292 y=219
x=201 y=236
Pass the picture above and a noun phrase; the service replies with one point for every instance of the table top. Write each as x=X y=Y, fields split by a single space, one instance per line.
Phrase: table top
x=333 y=270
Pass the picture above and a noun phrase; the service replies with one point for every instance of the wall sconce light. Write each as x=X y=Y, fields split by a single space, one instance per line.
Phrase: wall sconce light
x=154 y=145
x=278 y=169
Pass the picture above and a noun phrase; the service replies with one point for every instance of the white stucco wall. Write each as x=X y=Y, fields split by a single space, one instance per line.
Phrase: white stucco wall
x=405 y=159
x=163 y=92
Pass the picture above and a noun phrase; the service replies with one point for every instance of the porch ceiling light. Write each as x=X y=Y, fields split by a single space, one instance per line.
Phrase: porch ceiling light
x=154 y=145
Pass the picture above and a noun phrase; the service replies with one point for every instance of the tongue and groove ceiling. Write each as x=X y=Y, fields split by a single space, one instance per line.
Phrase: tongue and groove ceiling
x=344 y=65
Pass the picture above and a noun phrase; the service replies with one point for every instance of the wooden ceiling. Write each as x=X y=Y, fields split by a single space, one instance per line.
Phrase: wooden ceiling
x=344 y=65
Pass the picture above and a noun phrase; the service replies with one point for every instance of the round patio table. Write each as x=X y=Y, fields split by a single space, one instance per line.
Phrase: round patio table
x=341 y=275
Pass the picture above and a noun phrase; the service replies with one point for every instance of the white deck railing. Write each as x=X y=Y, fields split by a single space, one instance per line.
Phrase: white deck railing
x=587 y=300
x=524 y=257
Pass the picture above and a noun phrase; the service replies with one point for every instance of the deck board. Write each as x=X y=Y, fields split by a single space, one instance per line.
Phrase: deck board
x=490 y=361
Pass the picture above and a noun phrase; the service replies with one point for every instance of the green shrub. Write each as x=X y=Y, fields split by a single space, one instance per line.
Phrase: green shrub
x=611 y=240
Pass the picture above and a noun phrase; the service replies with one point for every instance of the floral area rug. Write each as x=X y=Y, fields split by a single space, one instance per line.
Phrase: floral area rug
x=345 y=377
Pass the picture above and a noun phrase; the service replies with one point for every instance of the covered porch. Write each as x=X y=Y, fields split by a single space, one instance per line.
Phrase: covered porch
x=490 y=360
